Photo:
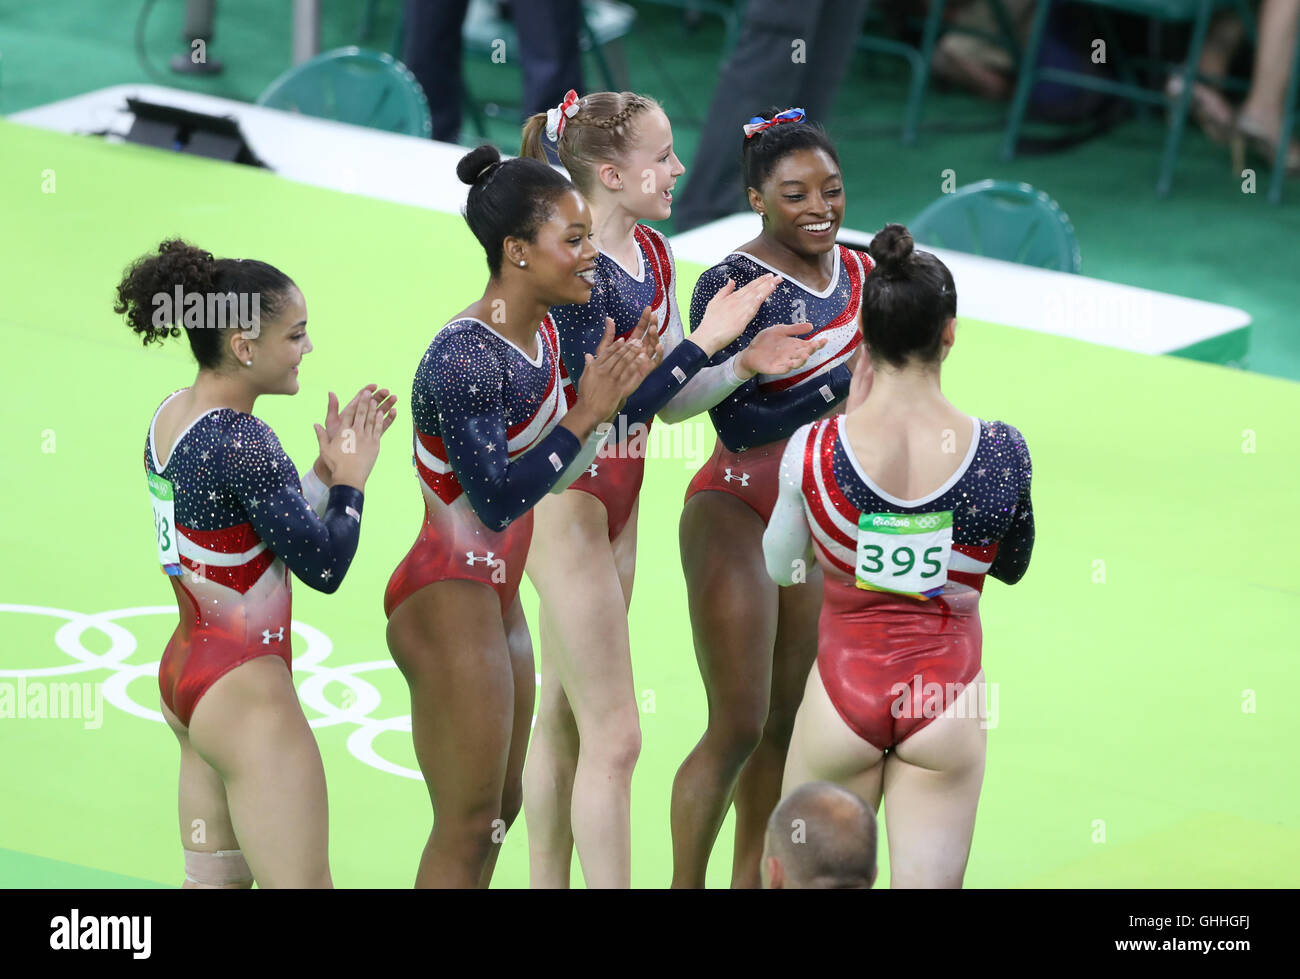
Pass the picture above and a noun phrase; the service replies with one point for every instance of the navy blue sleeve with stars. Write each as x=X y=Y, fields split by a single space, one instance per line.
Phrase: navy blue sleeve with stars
x=622 y=298
x=468 y=389
x=1017 y=544
x=262 y=478
x=748 y=416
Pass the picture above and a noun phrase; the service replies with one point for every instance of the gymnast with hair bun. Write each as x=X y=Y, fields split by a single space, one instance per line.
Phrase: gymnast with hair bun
x=907 y=504
x=497 y=427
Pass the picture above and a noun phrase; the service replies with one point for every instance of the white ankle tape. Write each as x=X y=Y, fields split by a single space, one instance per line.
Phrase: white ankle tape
x=219 y=868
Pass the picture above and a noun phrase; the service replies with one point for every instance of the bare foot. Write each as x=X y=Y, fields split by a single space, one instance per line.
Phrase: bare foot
x=1210 y=109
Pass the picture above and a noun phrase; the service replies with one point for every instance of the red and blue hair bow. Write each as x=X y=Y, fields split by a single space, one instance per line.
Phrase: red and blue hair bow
x=758 y=123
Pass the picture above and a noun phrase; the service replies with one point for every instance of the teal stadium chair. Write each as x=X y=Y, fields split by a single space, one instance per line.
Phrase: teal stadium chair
x=365 y=88
x=1000 y=219
x=1195 y=12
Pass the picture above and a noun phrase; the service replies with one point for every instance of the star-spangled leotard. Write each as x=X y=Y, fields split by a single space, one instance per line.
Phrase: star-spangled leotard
x=755 y=420
x=681 y=386
x=884 y=657
x=488 y=446
x=242 y=522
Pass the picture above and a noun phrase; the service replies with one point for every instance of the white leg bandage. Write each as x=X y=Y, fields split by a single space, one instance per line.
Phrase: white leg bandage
x=219 y=868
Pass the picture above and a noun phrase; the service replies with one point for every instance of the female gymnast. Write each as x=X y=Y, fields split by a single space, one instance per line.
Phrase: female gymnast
x=231 y=521
x=907 y=503
x=497 y=427
x=618 y=150
x=754 y=642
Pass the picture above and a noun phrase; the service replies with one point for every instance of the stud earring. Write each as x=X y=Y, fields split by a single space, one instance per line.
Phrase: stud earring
x=248 y=363
x=522 y=264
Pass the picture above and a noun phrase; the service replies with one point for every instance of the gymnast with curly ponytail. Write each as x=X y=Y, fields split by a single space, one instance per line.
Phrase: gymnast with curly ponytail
x=231 y=522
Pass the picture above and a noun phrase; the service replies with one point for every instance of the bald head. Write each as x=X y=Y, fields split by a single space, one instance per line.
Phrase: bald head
x=820 y=835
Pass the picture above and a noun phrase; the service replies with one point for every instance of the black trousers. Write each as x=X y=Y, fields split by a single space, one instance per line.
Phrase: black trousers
x=548 y=55
x=767 y=69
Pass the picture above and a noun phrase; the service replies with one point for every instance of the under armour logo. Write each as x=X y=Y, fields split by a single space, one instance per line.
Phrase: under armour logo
x=471 y=560
x=743 y=477
x=591 y=470
x=268 y=635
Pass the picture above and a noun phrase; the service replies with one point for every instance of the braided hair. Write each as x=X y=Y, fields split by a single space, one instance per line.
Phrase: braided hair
x=602 y=131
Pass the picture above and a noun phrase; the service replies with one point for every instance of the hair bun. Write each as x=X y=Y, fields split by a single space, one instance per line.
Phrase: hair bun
x=472 y=164
x=891 y=248
x=176 y=264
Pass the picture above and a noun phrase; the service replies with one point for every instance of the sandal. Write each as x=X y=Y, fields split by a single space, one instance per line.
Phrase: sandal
x=1249 y=135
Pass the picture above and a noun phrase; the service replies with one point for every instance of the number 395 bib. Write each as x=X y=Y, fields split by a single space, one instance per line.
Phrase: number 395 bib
x=906 y=554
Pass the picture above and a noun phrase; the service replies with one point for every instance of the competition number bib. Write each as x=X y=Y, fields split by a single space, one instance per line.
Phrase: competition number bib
x=906 y=554
x=164 y=523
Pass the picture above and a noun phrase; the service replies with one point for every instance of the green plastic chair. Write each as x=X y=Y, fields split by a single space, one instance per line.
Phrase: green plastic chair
x=1001 y=219
x=1195 y=12
x=365 y=88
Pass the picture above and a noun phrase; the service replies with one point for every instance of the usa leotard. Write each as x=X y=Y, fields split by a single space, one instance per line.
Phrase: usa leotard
x=488 y=446
x=679 y=387
x=887 y=660
x=242 y=522
x=755 y=420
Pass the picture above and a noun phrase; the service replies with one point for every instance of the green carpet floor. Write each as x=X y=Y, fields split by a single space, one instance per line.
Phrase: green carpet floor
x=1209 y=240
x=1144 y=665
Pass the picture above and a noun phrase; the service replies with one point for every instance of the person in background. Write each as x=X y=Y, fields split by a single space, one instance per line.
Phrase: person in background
x=789 y=53
x=548 y=54
x=820 y=835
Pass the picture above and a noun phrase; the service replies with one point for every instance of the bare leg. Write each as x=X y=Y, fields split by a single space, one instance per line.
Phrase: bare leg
x=932 y=788
x=548 y=774
x=1225 y=33
x=553 y=755
x=449 y=640
x=250 y=728
x=1210 y=109
x=204 y=814
x=759 y=788
x=823 y=747
x=572 y=566
x=733 y=607
x=1277 y=27
x=520 y=644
